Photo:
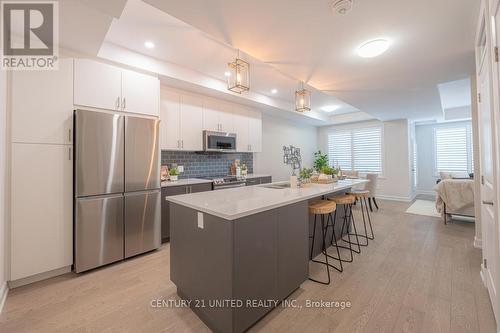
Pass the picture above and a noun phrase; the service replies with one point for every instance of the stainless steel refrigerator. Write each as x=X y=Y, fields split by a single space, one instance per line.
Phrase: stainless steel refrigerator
x=117 y=187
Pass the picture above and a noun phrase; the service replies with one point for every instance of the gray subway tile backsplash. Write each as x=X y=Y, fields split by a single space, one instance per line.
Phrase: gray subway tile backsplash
x=205 y=164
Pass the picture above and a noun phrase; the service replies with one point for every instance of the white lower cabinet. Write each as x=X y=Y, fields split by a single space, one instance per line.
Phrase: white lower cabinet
x=41 y=208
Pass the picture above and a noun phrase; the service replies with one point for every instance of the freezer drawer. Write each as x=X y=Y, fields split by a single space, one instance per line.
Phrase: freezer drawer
x=98 y=231
x=99 y=148
x=142 y=154
x=142 y=222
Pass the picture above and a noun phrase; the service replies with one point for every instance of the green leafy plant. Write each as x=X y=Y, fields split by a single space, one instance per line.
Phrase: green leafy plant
x=173 y=171
x=320 y=161
x=306 y=173
x=327 y=170
x=243 y=167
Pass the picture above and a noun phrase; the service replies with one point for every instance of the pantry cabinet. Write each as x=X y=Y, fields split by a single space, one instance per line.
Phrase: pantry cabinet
x=41 y=209
x=46 y=116
x=108 y=87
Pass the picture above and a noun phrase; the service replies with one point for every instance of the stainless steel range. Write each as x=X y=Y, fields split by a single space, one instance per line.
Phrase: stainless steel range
x=223 y=182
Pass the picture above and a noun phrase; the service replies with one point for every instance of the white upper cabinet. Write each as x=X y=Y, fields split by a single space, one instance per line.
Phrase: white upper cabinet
x=140 y=93
x=170 y=133
x=211 y=111
x=226 y=118
x=108 y=87
x=255 y=131
x=46 y=116
x=41 y=209
x=97 y=85
x=241 y=128
x=191 y=122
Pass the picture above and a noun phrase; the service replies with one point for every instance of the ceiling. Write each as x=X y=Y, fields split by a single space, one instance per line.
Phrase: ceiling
x=432 y=43
x=180 y=44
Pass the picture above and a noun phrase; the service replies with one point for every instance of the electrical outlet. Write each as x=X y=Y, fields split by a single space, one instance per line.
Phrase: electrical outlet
x=180 y=168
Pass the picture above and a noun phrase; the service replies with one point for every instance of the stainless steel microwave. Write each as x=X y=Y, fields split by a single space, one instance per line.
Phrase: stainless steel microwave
x=219 y=141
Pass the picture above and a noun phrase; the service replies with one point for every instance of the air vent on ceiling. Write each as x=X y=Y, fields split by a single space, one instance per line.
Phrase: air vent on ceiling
x=342 y=7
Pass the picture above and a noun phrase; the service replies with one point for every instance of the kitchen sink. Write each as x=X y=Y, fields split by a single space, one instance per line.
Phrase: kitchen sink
x=278 y=186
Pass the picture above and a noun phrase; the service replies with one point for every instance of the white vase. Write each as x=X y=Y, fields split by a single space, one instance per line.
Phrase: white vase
x=293 y=181
x=174 y=178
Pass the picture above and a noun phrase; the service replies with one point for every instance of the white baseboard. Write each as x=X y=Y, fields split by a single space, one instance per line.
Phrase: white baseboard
x=4 y=290
x=394 y=198
x=478 y=243
x=422 y=192
x=39 y=277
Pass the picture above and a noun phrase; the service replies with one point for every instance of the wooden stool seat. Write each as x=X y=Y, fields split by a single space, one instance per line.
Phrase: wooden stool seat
x=322 y=207
x=345 y=199
x=360 y=193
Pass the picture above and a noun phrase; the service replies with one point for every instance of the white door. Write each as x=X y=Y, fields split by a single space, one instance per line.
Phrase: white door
x=46 y=116
x=42 y=209
x=140 y=93
x=241 y=128
x=494 y=271
x=191 y=120
x=97 y=85
x=170 y=134
x=255 y=131
x=211 y=112
x=488 y=184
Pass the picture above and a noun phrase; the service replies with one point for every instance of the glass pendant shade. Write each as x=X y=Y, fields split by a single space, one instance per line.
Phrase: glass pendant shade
x=238 y=79
x=302 y=100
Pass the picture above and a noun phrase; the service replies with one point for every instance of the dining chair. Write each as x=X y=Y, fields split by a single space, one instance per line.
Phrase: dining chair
x=372 y=187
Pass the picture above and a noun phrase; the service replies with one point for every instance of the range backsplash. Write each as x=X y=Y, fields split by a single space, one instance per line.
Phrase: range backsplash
x=198 y=164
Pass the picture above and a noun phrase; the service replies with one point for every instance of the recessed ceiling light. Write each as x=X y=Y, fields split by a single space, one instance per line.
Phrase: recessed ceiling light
x=149 y=44
x=330 y=108
x=274 y=91
x=373 y=48
x=227 y=74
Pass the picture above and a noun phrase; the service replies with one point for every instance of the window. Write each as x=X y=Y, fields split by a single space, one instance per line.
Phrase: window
x=357 y=149
x=453 y=149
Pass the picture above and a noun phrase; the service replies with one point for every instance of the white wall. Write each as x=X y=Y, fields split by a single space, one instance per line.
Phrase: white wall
x=3 y=157
x=426 y=178
x=276 y=133
x=396 y=181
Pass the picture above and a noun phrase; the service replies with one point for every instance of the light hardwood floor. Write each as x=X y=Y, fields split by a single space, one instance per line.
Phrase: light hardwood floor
x=418 y=275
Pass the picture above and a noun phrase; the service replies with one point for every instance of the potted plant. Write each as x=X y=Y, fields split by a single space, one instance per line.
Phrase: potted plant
x=244 y=170
x=174 y=174
x=305 y=175
x=320 y=161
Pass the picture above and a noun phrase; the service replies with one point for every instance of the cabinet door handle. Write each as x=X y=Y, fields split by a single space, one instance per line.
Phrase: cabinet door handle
x=118 y=103
x=69 y=154
x=124 y=104
x=490 y=203
x=70 y=137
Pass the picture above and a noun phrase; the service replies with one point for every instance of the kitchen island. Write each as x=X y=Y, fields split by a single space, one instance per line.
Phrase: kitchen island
x=236 y=253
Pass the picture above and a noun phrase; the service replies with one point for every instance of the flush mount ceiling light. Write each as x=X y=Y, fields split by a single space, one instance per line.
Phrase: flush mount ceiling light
x=302 y=99
x=373 y=48
x=149 y=44
x=274 y=91
x=330 y=108
x=238 y=80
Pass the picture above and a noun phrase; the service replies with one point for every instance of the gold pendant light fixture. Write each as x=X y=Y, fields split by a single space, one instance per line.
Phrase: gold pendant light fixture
x=238 y=75
x=302 y=99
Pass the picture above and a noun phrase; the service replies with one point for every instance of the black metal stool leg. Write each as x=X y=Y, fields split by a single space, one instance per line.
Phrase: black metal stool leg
x=369 y=221
x=338 y=257
x=347 y=220
x=327 y=265
x=336 y=243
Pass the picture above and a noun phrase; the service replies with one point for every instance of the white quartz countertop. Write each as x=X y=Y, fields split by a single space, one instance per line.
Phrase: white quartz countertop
x=187 y=181
x=235 y=203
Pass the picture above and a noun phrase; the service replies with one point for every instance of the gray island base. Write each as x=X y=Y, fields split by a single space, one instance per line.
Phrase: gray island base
x=236 y=267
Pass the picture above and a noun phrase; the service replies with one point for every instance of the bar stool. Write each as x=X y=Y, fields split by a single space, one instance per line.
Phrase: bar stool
x=322 y=208
x=362 y=196
x=347 y=201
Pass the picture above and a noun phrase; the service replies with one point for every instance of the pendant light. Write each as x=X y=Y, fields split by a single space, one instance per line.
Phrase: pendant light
x=238 y=77
x=302 y=99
